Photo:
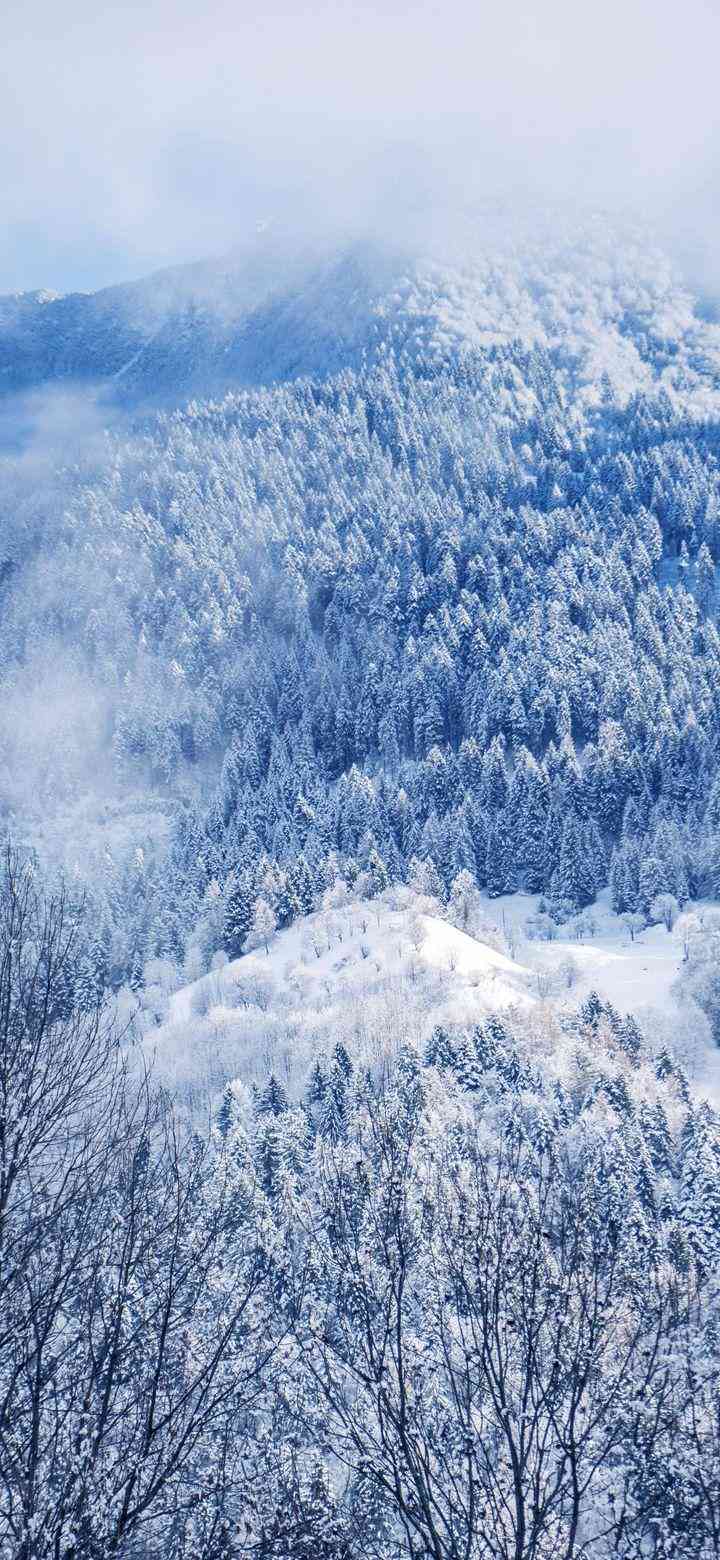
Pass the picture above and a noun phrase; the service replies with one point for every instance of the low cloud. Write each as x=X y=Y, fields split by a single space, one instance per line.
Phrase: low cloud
x=140 y=135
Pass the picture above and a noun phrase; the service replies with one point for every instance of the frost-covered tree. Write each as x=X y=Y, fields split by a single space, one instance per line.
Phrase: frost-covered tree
x=500 y=856
x=464 y=904
x=665 y=908
x=137 y=1328
x=263 y=927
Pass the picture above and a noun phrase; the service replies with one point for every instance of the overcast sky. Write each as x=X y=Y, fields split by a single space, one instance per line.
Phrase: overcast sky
x=133 y=135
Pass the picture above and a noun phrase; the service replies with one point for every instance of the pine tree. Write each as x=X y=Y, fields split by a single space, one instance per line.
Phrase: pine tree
x=630 y=1037
x=317 y=1083
x=238 y=915
x=657 y=1136
x=285 y=902
x=616 y=1091
x=486 y=1046
x=378 y=874
x=440 y=1050
x=333 y=1108
x=467 y=1067
x=342 y=1060
x=652 y=882
x=572 y=881
x=302 y=885
x=552 y=845
x=273 y=1101
x=664 y=1066
x=268 y=1156
x=225 y=1112
x=618 y=889
x=591 y=1011
x=633 y=825
x=494 y=782
x=499 y=862
x=611 y=777
x=531 y=820
x=595 y=856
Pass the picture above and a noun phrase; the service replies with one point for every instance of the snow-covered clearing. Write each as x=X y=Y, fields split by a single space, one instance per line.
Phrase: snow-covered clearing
x=631 y=975
x=383 y=973
x=637 y=976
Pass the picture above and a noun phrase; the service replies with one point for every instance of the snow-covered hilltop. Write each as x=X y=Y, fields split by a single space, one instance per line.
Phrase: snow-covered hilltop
x=606 y=304
x=379 y=976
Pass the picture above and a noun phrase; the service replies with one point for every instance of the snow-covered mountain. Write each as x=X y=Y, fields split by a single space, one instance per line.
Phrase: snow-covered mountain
x=371 y=708
x=605 y=301
x=431 y=588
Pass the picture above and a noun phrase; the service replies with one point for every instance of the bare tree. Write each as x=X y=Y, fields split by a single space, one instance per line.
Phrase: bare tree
x=134 y=1326
x=665 y=908
x=568 y=971
x=478 y=1346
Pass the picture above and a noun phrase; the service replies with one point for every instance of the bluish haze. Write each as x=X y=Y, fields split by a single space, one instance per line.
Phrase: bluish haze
x=359 y=783
x=136 y=136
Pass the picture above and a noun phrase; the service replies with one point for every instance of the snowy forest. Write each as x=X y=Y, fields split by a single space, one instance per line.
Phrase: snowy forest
x=359 y=925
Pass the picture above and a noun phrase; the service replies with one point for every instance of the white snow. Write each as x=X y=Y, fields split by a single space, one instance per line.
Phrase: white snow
x=377 y=975
x=381 y=974
x=482 y=975
x=630 y=975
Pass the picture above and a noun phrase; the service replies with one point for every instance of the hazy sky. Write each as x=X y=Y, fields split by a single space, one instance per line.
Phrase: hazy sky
x=138 y=134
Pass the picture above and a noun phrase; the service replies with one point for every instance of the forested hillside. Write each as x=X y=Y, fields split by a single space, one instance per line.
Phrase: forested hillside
x=338 y=1219
x=451 y=610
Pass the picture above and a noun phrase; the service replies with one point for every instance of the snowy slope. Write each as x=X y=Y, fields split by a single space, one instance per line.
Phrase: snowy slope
x=378 y=975
x=382 y=974
x=631 y=975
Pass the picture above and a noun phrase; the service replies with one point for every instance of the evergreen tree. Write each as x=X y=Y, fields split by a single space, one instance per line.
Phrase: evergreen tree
x=494 y=781
x=573 y=881
x=237 y=915
x=652 y=881
x=467 y=1067
x=333 y=1108
x=317 y=1083
x=440 y=1050
x=273 y=1101
x=377 y=872
x=342 y=1061
x=302 y=886
x=552 y=844
x=225 y=1114
x=499 y=871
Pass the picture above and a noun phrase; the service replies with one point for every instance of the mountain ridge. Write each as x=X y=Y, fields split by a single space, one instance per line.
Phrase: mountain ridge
x=280 y=307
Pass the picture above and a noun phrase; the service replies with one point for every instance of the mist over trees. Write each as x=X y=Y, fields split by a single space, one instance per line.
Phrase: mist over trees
x=456 y=606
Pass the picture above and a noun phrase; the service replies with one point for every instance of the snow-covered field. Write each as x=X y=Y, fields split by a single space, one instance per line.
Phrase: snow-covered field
x=383 y=973
x=631 y=975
